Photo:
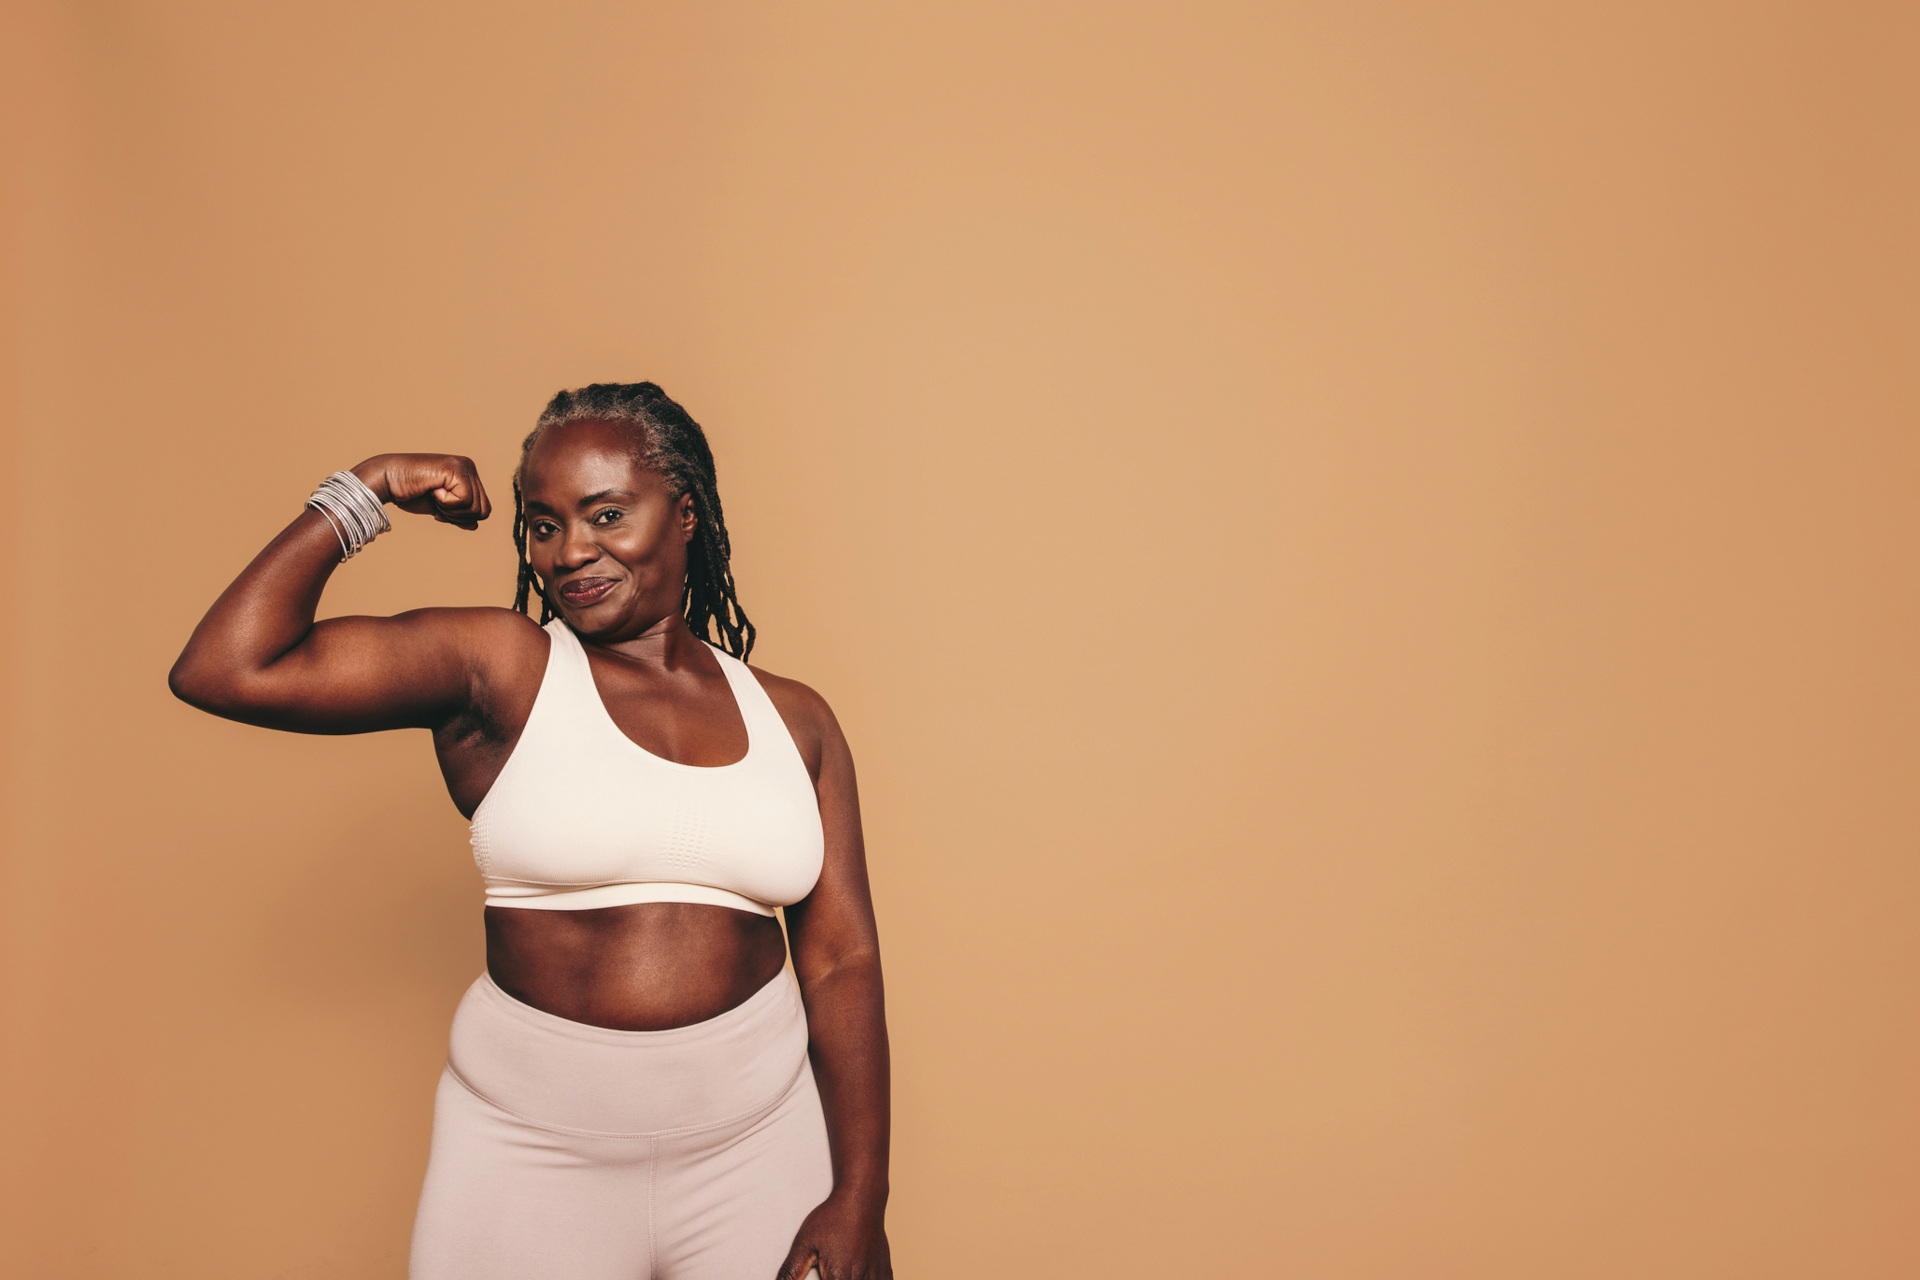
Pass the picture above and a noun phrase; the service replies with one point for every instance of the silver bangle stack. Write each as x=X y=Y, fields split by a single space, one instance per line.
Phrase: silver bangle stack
x=356 y=514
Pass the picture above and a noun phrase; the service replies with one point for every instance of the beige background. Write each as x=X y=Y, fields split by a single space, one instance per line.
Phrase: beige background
x=1367 y=552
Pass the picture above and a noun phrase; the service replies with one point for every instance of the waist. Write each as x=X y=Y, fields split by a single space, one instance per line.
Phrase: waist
x=634 y=967
x=569 y=1075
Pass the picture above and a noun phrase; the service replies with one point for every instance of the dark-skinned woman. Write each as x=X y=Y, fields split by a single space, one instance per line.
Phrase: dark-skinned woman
x=636 y=1089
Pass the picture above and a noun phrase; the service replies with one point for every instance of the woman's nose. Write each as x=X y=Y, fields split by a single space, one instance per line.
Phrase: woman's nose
x=577 y=548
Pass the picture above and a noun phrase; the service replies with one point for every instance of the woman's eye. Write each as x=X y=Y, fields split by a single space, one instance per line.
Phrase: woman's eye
x=543 y=529
x=606 y=517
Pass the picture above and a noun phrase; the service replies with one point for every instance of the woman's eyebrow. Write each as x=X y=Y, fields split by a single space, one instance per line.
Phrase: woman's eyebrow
x=534 y=504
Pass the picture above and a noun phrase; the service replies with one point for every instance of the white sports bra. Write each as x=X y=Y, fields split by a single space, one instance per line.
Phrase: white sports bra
x=582 y=816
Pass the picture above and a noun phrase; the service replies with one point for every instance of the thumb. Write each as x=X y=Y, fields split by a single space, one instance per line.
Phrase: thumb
x=799 y=1263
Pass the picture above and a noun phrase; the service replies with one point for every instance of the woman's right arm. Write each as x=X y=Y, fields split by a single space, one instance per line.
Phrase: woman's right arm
x=259 y=657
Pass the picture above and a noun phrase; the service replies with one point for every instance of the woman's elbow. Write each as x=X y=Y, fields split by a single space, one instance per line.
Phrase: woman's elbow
x=202 y=684
x=188 y=683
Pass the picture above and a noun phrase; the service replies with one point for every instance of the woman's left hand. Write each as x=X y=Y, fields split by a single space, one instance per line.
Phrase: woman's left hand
x=844 y=1239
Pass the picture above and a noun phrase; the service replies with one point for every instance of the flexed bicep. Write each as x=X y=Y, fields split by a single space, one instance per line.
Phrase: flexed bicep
x=361 y=674
x=258 y=655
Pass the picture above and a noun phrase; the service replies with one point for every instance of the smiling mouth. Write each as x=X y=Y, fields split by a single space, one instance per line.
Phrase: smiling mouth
x=586 y=591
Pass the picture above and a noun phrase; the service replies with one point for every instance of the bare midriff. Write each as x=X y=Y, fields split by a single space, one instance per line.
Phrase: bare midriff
x=647 y=966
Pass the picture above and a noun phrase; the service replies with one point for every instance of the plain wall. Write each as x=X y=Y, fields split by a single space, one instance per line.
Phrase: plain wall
x=1367 y=552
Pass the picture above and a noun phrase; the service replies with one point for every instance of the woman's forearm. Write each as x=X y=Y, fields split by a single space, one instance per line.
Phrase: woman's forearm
x=266 y=611
x=270 y=607
x=258 y=655
x=846 y=1020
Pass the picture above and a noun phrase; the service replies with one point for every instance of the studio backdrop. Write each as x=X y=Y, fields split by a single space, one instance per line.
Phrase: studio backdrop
x=1366 y=551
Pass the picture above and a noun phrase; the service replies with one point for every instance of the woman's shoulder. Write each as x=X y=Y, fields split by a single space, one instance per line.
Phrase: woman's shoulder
x=807 y=714
x=482 y=630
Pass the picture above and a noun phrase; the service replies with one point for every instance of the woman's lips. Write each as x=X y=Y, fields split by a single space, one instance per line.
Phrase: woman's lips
x=585 y=591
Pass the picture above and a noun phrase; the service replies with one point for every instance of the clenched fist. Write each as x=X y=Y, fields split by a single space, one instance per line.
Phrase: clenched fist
x=443 y=485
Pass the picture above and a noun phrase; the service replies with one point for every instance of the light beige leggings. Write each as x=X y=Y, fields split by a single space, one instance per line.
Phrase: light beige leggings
x=564 y=1150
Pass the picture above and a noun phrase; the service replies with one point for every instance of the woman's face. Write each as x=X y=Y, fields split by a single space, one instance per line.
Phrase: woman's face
x=604 y=533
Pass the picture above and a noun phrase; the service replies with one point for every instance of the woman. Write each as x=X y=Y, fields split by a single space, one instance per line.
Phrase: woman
x=630 y=1088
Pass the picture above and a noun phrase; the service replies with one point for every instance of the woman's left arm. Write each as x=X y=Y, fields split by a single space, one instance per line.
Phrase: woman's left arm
x=836 y=955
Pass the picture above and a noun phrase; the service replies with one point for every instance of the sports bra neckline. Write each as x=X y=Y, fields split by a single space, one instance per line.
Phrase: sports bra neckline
x=726 y=661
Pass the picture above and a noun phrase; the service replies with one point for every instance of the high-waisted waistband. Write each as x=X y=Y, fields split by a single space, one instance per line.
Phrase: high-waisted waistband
x=567 y=1075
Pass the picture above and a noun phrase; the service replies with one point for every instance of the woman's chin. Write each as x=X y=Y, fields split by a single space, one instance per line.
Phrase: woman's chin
x=609 y=620
x=590 y=620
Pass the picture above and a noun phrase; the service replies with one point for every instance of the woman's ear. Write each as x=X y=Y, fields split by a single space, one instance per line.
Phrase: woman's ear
x=689 y=520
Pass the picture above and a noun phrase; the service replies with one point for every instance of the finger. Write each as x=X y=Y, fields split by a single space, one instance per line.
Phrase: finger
x=482 y=504
x=800 y=1262
x=454 y=501
x=458 y=482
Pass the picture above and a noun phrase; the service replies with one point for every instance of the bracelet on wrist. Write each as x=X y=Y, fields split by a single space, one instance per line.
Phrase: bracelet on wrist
x=353 y=511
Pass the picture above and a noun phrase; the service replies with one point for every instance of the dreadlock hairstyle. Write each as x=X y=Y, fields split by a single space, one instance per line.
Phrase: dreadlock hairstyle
x=672 y=445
